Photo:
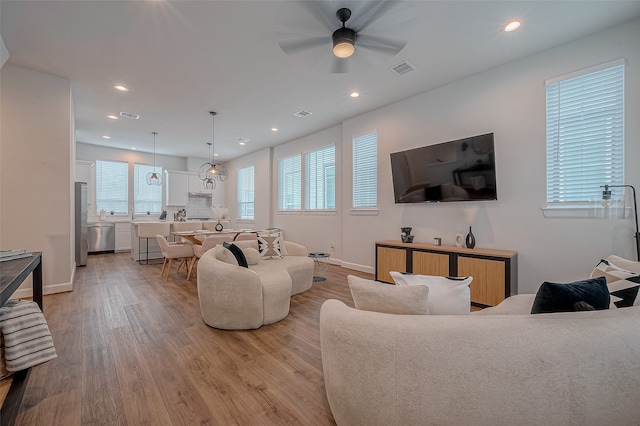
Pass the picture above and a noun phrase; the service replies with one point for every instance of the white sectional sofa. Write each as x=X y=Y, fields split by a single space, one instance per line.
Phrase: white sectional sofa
x=237 y=298
x=501 y=366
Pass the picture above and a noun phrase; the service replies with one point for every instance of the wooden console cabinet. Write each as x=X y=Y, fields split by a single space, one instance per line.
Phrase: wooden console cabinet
x=494 y=272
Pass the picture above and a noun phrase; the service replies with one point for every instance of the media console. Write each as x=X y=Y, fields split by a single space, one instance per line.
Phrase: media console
x=494 y=272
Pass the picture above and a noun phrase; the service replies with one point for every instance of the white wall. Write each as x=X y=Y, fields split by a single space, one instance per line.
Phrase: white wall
x=36 y=165
x=509 y=101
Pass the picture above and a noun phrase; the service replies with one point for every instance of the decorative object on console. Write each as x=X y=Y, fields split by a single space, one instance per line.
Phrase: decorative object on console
x=405 y=235
x=154 y=178
x=180 y=215
x=460 y=240
x=606 y=197
x=470 y=241
x=437 y=241
x=211 y=171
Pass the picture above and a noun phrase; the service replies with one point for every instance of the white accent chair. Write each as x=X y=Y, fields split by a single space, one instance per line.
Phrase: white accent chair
x=174 y=251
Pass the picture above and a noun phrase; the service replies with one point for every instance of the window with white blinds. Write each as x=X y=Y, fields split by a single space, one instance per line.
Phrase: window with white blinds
x=320 y=182
x=112 y=187
x=585 y=134
x=245 y=193
x=146 y=198
x=290 y=183
x=365 y=171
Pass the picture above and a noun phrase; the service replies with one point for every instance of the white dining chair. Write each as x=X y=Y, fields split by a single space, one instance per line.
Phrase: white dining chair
x=208 y=243
x=181 y=251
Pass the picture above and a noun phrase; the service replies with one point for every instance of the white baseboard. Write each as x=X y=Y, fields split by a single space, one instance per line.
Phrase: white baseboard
x=357 y=267
x=47 y=289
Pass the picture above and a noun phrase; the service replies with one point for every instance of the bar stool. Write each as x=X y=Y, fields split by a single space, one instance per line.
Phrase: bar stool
x=149 y=231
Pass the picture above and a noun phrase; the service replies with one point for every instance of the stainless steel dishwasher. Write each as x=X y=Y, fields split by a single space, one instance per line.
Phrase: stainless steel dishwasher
x=101 y=237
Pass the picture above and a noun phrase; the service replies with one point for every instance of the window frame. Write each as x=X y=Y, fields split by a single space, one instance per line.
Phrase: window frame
x=246 y=191
x=363 y=209
x=143 y=182
x=98 y=205
x=558 y=145
x=320 y=170
x=283 y=184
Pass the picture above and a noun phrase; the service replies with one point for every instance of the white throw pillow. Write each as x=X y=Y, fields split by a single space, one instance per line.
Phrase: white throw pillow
x=224 y=254
x=374 y=296
x=447 y=296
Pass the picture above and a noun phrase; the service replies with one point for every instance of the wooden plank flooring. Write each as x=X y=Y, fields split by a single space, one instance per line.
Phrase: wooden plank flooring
x=133 y=350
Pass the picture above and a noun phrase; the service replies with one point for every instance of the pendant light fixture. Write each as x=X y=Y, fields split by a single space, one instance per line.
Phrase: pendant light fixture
x=154 y=178
x=210 y=171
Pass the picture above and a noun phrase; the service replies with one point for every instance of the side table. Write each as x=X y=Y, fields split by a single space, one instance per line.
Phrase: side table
x=321 y=260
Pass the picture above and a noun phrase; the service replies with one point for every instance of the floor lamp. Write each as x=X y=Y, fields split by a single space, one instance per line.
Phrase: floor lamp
x=606 y=195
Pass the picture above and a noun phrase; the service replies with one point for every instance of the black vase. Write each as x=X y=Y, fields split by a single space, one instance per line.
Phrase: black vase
x=471 y=239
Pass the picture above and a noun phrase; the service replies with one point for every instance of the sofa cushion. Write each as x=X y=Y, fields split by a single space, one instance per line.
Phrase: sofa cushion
x=374 y=296
x=269 y=246
x=556 y=297
x=623 y=284
x=447 y=295
x=237 y=253
x=252 y=255
x=224 y=254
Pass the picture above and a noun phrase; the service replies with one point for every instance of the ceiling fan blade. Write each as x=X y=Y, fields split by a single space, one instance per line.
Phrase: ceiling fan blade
x=374 y=11
x=385 y=45
x=294 y=46
x=322 y=12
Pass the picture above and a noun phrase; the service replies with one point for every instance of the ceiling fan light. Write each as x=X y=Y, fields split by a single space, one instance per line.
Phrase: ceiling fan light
x=344 y=42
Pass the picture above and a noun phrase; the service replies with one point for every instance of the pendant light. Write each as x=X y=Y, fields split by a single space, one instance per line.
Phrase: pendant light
x=210 y=171
x=154 y=178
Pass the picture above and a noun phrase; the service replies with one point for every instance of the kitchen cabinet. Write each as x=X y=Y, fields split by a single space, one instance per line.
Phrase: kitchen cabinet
x=83 y=171
x=196 y=186
x=123 y=236
x=494 y=272
x=176 y=185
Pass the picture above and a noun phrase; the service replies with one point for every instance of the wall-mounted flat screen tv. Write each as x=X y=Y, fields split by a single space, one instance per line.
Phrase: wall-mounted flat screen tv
x=460 y=170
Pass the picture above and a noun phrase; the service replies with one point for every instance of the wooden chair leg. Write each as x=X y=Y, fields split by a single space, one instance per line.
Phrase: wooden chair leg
x=194 y=259
x=169 y=271
x=163 y=266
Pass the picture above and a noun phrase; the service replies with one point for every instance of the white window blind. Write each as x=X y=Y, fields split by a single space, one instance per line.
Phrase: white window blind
x=365 y=171
x=146 y=198
x=290 y=183
x=112 y=186
x=585 y=134
x=320 y=172
x=245 y=193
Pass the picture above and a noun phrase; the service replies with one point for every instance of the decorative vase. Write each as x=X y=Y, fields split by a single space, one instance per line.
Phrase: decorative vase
x=406 y=234
x=470 y=241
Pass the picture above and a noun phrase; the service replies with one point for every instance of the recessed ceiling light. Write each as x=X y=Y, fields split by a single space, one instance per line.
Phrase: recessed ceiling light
x=113 y=117
x=121 y=88
x=354 y=94
x=512 y=26
x=133 y=148
x=274 y=129
x=106 y=137
x=215 y=155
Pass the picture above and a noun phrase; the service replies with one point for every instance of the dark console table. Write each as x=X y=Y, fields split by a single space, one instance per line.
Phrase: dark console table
x=12 y=274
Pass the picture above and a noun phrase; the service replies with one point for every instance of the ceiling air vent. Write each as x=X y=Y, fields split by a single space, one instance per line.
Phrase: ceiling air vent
x=302 y=114
x=129 y=115
x=403 y=67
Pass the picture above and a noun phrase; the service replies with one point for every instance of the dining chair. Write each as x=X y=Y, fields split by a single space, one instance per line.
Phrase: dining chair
x=181 y=251
x=208 y=243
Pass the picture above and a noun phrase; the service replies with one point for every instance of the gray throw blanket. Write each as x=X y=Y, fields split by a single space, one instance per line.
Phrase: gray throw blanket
x=27 y=338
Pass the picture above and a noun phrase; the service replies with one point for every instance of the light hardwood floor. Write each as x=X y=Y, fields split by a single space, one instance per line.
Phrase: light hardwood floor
x=133 y=350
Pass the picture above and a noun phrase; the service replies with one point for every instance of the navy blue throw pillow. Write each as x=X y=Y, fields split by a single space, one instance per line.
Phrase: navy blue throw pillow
x=554 y=297
x=237 y=252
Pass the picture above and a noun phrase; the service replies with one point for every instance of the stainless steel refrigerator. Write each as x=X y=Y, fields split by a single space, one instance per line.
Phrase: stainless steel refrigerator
x=81 y=223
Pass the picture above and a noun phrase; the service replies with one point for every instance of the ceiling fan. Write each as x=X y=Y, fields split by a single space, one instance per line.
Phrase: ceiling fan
x=345 y=36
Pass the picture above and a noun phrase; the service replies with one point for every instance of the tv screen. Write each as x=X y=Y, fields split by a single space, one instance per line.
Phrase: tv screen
x=460 y=170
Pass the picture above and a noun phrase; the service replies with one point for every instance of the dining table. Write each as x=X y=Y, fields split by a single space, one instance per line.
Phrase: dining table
x=193 y=235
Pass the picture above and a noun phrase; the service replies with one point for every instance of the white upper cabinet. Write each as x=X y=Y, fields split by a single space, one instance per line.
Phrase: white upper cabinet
x=196 y=186
x=176 y=185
